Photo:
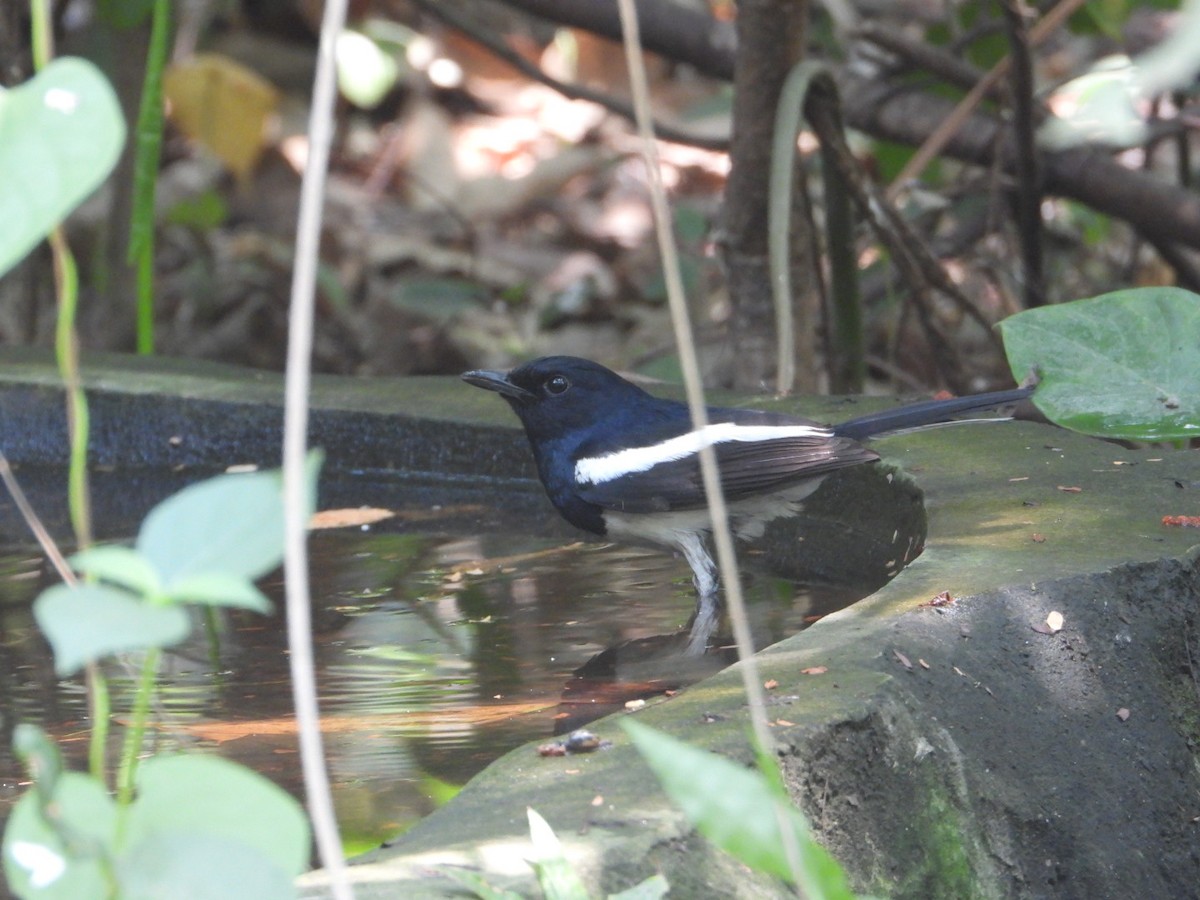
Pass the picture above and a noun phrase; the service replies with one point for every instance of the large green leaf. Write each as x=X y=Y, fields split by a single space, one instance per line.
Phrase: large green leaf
x=736 y=809
x=131 y=570
x=190 y=865
x=1122 y=365
x=41 y=758
x=201 y=828
x=118 y=565
x=220 y=589
x=60 y=135
x=61 y=860
x=198 y=794
x=232 y=524
x=90 y=621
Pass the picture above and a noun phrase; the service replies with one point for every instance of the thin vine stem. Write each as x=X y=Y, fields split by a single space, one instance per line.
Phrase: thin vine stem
x=66 y=351
x=131 y=748
x=717 y=509
x=295 y=477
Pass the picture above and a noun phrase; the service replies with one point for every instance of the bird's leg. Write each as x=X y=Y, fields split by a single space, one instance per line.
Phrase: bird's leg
x=704 y=626
x=708 y=604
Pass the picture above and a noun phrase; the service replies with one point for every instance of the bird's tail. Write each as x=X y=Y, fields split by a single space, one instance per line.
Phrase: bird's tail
x=929 y=414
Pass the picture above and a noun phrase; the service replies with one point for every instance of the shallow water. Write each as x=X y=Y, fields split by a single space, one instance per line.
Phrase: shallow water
x=443 y=638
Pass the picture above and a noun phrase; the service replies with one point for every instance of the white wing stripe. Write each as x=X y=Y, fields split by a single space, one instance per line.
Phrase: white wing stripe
x=599 y=469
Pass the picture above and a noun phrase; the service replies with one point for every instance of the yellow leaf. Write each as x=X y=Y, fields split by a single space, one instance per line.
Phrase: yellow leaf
x=348 y=518
x=223 y=105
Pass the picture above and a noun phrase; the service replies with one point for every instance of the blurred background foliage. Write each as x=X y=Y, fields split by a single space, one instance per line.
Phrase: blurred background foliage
x=486 y=203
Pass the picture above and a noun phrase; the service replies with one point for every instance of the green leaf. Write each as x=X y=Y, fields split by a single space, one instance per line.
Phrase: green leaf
x=437 y=299
x=60 y=135
x=124 y=13
x=477 y=884
x=191 y=865
x=691 y=225
x=1122 y=365
x=118 y=565
x=41 y=759
x=654 y=287
x=1097 y=107
x=212 y=796
x=653 y=888
x=1105 y=17
x=555 y=876
x=1172 y=62
x=231 y=524
x=889 y=158
x=204 y=212
x=87 y=622
x=366 y=71
x=988 y=48
x=61 y=859
x=220 y=589
x=736 y=809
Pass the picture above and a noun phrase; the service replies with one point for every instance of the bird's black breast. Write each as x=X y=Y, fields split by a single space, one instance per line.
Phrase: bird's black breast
x=556 y=468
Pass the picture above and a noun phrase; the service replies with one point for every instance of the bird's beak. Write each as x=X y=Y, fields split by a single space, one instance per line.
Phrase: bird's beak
x=498 y=382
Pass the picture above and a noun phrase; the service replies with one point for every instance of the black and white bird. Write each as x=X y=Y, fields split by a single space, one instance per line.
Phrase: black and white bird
x=619 y=462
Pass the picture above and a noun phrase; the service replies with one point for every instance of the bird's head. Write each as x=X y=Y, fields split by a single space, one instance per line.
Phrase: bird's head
x=555 y=395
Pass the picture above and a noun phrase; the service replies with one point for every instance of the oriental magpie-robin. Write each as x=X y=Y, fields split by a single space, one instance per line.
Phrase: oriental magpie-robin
x=619 y=462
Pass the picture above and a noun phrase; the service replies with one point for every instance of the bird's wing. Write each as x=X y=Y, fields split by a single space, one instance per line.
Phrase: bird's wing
x=748 y=468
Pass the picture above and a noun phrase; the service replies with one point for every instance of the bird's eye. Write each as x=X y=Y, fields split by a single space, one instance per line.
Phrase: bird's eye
x=557 y=384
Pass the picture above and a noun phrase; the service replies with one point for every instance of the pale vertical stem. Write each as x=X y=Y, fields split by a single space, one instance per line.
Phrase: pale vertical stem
x=295 y=498
x=722 y=535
